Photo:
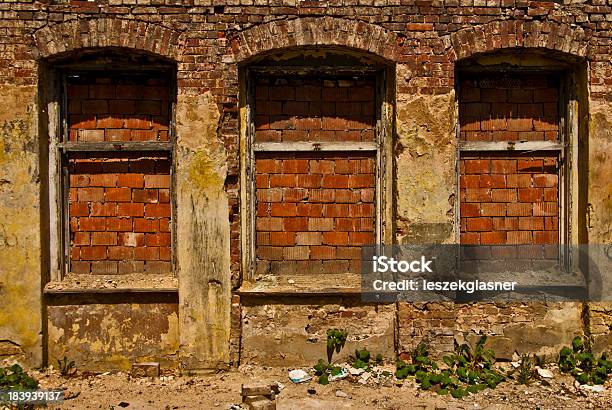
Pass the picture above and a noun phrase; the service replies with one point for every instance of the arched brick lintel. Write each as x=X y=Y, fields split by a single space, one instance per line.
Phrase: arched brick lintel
x=310 y=31
x=73 y=35
x=514 y=34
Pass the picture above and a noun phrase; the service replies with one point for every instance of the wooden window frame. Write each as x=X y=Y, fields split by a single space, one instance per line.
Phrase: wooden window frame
x=59 y=146
x=566 y=148
x=249 y=148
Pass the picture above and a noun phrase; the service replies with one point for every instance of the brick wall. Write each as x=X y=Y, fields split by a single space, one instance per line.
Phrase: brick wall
x=314 y=109
x=120 y=214
x=509 y=199
x=121 y=107
x=314 y=210
x=506 y=198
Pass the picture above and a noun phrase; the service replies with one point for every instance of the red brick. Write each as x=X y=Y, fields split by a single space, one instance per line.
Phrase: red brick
x=322 y=195
x=545 y=95
x=131 y=239
x=335 y=181
x=361 y=181
x=469 y=181
x=157 y=181
x=470 y=209
x=104 y=238
x=295 y=224
x=270 y=195
x=545 y=209
x=282 y=238
x=492 y=181
x=145 y=195
x=122 y=106
x=335 y=210
x=269 y=224
x=79 y=209
x=118 y=194
x=476 y=166
x=322 y=167
x=530 y=194
x=81 y=238
x=284 y=209
x=534 y=165
x=270 y=253
x=544 y=180
x=146 y=225
x=157 y=210
x=295 y=194
x=309 y=181
x=120 y=253
x=165 y=253
x=119 y=224
x=492 y=209
x=313 y=210
x=79 y=180
x=92 y=253
x=335 y=238
x=492 y=238
x=90 y=194
x=320 y=224
x=531 y=223
x=103 y=209
x=157 y=239
x=470 y=238
x=518 y=181
x=109 y=122
x=502 y=166
x=348 y=196
x=361 y=238
x=283 y=180
x=130 y=209
x=519 y=209
x=146 y=253
x=361 y=210
x=104 y=267
x=138 y=122
x=308 y=238
x=503 y=195
x=478 y=195
x=130 y=180
x=520 y=124
x=545 y=237
x=80 y=267
x=92 y=224
x=505 y=224
x=322 y=252
x=519 y=237
x=479 y=224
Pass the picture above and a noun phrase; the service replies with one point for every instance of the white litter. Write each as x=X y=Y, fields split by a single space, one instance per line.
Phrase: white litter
x=299 y=376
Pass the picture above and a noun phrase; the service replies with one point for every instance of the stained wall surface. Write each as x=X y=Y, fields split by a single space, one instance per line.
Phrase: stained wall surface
x=213 y=320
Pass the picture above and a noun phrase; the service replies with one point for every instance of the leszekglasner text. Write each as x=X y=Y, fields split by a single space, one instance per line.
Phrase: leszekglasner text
x=384 y=264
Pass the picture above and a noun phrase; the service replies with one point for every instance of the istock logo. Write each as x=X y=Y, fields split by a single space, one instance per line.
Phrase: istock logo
x=384 y=264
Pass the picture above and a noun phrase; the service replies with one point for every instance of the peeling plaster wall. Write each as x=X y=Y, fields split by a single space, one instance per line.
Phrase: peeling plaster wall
x=101 y=337
x=599 y=208
x=203 y=235
x=425 y=165
x=281 y=332
x=20 y=282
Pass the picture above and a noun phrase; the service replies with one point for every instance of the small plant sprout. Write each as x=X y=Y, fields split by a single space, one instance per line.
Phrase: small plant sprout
x=67 y=367
x=335 y=342
x=580 y=362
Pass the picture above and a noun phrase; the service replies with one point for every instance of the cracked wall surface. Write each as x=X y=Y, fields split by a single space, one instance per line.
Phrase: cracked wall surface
x=20 y=281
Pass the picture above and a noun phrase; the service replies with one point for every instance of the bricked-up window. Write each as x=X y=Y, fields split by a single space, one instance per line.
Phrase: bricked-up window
x=511 y=156
x=117 y=167
x=315 y=171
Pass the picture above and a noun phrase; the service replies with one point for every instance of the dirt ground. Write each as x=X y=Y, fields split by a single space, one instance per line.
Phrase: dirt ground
x=222 y=390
